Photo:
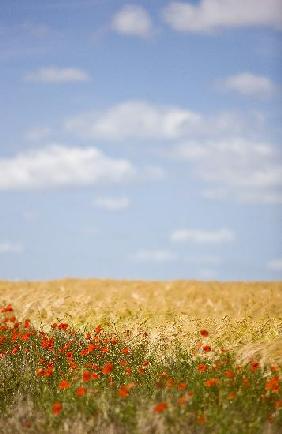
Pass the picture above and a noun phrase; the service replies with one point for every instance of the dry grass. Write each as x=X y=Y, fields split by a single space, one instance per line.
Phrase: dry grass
x=245 y=316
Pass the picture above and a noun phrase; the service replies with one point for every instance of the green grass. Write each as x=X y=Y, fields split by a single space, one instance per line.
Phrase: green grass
x=126 y=397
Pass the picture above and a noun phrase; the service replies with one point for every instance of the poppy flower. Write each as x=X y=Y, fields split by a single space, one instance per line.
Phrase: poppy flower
x=27 y=324
x=57 y=408
x=86 y=376
x=204 y=333
x=107 y=368
x=182 y=386
x=211 y=382
x=254 y=366
x=229 y=374
x=231 y=395
x=125 y=350
x=206 y=348
x=64 y=384
x=272 y=384
x=159 y=408
x=63 y=326
x=98 y=329
x=80 y=391
x=123 y=392
x=202 y=367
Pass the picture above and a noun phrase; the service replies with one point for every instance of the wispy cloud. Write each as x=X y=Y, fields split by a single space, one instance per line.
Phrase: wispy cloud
x=58 y=166
x=54 y=74
x=202 y=236
x=248 y=84
x=9 y=247
x=112 y=203
x=133 y=20
x=211 y=15
x=240 y=169
x=154 y=256
x=275 y=265
x=38 y=133
x=142 y=120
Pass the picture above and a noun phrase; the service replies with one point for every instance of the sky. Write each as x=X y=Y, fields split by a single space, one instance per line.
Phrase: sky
x=140 y=140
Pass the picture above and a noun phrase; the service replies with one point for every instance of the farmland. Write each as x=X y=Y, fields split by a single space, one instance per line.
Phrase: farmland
x=140 y=357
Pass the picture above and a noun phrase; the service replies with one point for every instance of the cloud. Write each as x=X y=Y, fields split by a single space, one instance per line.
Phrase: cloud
x=201 y=236
x=155 y=255
x=211 y=15
x=133 y=20
x=38 y=133
x=275 y=265
x=246 y=170
x=54 y=74
x=8 y=247
x=142 y=120
x=58 y=166
x=112 y=203
x=248 y=84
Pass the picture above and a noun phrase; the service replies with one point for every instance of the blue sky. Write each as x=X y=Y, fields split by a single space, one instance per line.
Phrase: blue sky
x=140 y=140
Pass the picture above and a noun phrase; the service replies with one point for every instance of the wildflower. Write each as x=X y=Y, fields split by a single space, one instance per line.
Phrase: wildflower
x=25 y=337
x=211 y=382
x=159 y=408
x=80 y=391
x=86 y=376
x=15 y=350
x=254 y=366
x=7 y=308
x=204 y=333
x=229 y=374
x=123 y=392
x=201 y=420
x=98 y=329
x=107 y=368
x=231 y=395
x=182 y=386
x=182 y=400
x=64 y=384
x=272 y=384
x=105 y=350
x=202 y=367
x=57 y=408
x=63 y=326
x=125 y=350
x=95 y=376
x=27 y=324
x=47 y=344
x=206 y=348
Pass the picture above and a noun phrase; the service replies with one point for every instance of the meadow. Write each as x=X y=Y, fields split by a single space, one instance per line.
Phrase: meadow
x=104 y=356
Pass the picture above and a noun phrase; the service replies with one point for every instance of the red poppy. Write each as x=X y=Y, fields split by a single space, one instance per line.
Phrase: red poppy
x=27 y=324
x=206 y=348
x=211 y=382
x=86 y=376
x=64 y=384
x=57 y=408
x=231 y=395
x=123 y=392
x=272 y=384
x=254 y=366
x=202 y=367
x=159 y=408
x=63 y=326
x=229 y=374
x=80 y=391
x=125 y=350
x=204 y=333
x=107 y=368
x=98 y=329
x=182 y=386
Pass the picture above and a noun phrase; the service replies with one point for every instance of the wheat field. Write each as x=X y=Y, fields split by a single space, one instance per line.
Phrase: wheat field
x=242 y=316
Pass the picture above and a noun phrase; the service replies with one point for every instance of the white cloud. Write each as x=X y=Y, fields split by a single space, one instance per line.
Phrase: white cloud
x=156 y=255
x=275 y=265
x=241 y=169
x=141 y=120
x=201 y=236
x=248 y=84
x=112 y=203
x=38 y=133
x=8 y=247
x=210 y=15
x=132 y=20
x=54 y=74
x=56 y=166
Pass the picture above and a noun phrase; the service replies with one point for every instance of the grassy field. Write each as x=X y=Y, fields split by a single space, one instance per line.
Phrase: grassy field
x=107 y=356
